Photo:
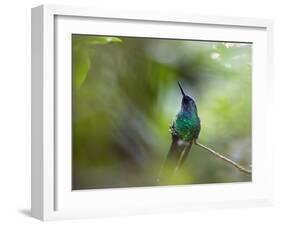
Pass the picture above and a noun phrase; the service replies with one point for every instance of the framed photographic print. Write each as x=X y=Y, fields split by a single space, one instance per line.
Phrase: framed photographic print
x=136 y=112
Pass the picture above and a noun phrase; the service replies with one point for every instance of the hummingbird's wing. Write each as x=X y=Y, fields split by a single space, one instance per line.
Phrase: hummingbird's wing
x=175 y=158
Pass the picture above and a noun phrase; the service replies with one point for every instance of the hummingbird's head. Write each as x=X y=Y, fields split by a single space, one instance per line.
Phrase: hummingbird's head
x=186 y=100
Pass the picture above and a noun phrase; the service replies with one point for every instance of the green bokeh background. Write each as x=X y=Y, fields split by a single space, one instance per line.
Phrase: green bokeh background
x=125 y=97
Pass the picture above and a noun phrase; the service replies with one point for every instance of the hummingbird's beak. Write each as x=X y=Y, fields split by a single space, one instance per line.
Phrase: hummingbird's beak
x=181 y=89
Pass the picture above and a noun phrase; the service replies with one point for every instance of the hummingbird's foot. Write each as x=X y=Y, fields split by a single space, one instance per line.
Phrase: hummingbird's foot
x=172 y=131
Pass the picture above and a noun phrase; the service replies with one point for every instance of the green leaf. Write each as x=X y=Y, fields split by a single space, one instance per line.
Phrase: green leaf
x=103 y=40
x=80 y=54
x=80 y=65
x=88 y=40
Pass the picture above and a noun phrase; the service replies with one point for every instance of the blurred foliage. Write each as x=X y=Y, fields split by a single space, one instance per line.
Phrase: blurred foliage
x=82 y=49
x=125 y=97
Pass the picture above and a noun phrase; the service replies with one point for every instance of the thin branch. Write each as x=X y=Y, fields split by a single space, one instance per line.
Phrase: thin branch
x=241 y=168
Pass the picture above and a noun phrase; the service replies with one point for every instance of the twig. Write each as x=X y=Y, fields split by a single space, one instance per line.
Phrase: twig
x=241 y=168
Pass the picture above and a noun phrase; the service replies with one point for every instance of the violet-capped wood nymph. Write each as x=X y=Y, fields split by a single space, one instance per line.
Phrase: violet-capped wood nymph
x=184 y=130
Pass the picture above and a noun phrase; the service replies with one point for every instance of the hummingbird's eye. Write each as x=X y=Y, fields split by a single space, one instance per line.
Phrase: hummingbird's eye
x=186 y=99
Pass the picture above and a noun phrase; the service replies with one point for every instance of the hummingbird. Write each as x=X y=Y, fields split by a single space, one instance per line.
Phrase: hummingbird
x=185 y=130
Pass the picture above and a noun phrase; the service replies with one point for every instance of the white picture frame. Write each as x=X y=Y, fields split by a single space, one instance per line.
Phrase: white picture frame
x=52 y=197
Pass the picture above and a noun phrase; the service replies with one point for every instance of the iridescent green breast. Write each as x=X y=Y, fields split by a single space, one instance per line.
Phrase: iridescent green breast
x=187 y=125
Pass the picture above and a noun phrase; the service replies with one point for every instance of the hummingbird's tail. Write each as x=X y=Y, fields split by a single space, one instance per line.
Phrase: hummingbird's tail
x=175 y=158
